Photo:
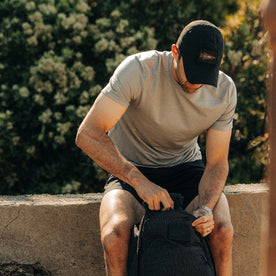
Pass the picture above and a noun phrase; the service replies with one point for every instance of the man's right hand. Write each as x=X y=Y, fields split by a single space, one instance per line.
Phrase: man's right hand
x=155 y=196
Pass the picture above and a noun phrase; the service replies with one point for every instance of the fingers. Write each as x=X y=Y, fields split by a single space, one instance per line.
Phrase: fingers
x=155 y=196
x=204 y=225
x=162 y=198
x=167 y=201
x=205 y=228
x=202 y=220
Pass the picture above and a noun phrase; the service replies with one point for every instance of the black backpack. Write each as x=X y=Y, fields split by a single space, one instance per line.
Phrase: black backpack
x=166 y=244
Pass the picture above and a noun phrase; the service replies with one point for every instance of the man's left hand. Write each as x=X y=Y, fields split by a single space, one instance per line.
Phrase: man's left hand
x=204 y=224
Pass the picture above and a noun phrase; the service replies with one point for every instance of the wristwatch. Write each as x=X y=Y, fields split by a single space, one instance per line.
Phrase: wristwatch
x=205 y=208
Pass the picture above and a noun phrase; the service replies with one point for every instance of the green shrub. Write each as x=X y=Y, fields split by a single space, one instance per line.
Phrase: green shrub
x=47 y=87
x=246 y=61
x=55 y=57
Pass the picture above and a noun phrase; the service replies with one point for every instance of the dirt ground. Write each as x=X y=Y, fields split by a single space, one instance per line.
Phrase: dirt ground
x=15 y=269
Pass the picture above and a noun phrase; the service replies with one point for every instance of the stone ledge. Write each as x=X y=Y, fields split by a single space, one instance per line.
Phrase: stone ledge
x=61 y=232
x=53 y=200
x=246 y=188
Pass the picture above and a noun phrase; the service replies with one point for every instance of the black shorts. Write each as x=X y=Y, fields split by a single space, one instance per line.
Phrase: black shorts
x=183 y=179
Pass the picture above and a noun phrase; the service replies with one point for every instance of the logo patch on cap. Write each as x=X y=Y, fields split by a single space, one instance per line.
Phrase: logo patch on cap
x=208 y=56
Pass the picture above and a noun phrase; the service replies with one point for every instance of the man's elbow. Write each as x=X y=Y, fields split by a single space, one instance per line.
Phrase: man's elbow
x=221 y=167
x=88 y=136
x=80 y=138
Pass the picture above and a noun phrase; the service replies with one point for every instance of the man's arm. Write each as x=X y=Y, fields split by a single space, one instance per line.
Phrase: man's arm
x=216 y=171
x=214 y=177
x=92 y=138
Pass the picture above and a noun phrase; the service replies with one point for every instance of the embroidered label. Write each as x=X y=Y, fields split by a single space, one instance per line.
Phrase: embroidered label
x=208 y=56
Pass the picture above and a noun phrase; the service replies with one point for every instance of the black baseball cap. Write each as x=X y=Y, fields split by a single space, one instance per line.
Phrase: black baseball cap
x=201 y=47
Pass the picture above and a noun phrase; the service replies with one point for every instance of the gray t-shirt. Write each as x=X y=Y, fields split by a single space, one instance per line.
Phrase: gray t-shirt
x=161 y=125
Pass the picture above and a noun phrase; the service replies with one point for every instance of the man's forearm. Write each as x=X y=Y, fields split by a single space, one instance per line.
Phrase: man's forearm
x=99 y=147
x=212 y=183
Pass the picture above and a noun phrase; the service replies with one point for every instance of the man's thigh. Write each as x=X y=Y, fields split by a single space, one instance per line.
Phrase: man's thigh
x=119 y=208
x=221 y=211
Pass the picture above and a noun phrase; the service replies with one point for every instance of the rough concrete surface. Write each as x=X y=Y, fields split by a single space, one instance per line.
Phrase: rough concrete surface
x=16 y=269
x=59 y=232
x=248 y=212
x=62 y=232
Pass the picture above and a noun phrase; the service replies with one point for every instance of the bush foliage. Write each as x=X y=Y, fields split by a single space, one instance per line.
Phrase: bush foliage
x=56 y=55
x=246 y=61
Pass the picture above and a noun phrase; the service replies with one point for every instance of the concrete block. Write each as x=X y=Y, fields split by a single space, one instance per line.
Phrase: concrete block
x=248 y=212
x=61 y=232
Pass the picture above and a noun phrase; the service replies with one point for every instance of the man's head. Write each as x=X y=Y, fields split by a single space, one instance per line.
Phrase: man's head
x=200 y=45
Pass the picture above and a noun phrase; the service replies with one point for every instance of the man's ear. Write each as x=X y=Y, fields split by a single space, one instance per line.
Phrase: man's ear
x=175 y=51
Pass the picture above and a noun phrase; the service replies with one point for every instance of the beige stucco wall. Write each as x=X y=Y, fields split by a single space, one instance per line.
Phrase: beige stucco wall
x=62 y=232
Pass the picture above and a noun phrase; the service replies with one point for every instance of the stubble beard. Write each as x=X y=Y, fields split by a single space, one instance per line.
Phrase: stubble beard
x=186 y=88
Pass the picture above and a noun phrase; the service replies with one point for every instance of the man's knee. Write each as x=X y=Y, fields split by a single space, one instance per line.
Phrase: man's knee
x=115 y=234
x=224 y=232
x=118 y=213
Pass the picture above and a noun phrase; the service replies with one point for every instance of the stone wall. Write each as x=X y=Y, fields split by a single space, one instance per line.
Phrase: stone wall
x=62 y=232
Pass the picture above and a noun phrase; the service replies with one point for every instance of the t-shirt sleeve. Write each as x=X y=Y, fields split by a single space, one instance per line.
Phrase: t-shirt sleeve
x=225 y=122
x=126 y=83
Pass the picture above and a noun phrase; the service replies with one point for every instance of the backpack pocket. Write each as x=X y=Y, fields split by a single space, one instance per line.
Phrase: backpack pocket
x=169 y=258
x=182 y=231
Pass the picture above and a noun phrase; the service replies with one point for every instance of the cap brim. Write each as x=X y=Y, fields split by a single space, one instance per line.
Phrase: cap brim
x=198 y=73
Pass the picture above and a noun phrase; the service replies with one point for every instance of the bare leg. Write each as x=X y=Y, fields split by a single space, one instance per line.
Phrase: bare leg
x=221 y=238
x=118 y=213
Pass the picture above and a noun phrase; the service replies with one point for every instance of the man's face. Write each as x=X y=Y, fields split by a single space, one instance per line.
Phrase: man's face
x=181 y=77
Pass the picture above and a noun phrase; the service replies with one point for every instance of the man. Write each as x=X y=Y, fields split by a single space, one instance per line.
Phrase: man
x=143 y=129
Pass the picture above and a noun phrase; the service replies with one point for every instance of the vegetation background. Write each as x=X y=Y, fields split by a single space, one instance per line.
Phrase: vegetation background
x=57 y=55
